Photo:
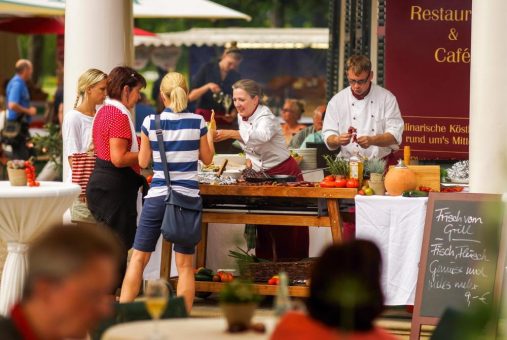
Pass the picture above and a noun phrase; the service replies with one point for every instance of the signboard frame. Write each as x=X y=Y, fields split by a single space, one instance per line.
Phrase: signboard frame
x=417 y=319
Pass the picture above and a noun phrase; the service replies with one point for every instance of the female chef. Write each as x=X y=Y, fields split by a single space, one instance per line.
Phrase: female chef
x=262 y=140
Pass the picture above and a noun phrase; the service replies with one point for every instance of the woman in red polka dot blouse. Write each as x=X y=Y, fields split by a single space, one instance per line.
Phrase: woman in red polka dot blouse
x=114 y=184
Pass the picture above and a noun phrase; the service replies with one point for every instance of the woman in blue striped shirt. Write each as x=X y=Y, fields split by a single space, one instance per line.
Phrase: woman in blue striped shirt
x=186 y=140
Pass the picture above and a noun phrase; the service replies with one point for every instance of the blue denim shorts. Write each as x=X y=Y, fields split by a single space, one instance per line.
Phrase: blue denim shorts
x=148 y=230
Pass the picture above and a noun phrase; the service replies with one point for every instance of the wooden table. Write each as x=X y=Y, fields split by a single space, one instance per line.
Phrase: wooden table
x=333 y=221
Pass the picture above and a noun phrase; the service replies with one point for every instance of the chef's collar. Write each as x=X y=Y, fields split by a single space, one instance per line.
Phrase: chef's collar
x=361 y=97
x=245 y=119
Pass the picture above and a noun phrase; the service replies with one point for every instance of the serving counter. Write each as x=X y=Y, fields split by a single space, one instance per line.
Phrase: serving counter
x=328 y=217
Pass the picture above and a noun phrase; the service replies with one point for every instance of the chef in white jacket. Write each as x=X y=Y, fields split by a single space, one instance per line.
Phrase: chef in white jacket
x=372 y=110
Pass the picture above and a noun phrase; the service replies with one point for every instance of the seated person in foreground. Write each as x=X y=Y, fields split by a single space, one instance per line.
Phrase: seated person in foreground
x=310 y=134
x=344 y=299
x=71 y=272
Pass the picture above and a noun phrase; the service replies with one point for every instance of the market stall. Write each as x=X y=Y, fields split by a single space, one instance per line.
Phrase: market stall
x=255 y=215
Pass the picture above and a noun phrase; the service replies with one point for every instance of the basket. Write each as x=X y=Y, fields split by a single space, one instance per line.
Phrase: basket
x=263 y=271
x=17 y=177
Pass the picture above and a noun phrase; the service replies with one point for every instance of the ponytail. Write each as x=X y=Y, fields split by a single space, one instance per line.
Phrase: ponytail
x=179 y=99
x=174 y=88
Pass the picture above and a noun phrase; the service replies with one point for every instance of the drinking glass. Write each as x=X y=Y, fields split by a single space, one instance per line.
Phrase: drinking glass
x=156 y=298
x=227 y=103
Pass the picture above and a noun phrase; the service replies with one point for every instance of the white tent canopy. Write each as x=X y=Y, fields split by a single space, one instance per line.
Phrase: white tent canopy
x=278 y=38
x=198 y=9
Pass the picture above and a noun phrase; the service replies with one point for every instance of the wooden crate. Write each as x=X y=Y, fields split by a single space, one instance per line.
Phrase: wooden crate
x=427 y=175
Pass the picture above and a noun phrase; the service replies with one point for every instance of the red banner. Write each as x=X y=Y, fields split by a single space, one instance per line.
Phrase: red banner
x=427 y=67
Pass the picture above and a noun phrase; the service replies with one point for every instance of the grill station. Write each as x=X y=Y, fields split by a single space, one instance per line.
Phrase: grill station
x=264 y=205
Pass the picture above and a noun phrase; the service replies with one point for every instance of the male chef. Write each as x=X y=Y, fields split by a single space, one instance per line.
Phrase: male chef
x=363 y=118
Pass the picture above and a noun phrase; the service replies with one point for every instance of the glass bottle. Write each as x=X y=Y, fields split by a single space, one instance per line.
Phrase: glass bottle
x=356 y=168
x=282 y=301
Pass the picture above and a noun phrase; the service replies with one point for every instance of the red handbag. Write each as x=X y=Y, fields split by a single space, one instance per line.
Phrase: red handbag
x=82 y=167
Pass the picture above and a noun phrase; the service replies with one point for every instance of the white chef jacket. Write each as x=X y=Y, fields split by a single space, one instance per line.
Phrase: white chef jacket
x=376 y=114
x=262 y=139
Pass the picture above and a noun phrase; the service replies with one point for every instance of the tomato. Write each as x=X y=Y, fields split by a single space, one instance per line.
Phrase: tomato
x=361 y=192
x=341 y=183
x=273 y=281
x=328 y=184
x=352 y=183
x=329 y=178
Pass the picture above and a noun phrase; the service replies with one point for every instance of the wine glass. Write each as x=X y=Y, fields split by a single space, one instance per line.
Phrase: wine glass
x=218 y=97
x=227 y=103
x=156 y=298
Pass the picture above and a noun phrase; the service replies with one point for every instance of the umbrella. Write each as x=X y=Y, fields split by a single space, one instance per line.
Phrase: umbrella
x=46 y=25
x=200 y=9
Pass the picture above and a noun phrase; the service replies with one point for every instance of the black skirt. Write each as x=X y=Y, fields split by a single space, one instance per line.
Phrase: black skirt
x=112 y=198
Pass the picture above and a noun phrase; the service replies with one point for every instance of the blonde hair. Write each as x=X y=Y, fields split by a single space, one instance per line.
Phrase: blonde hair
x=88 y=79
x=299 y=105
x=358 y=64
x=174 y=88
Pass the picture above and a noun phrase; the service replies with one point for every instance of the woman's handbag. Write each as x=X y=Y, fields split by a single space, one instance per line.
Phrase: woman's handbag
x=183 y=214
x=83 y=164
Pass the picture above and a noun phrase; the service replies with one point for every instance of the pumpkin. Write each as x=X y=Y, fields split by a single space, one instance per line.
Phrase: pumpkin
x=399 y=179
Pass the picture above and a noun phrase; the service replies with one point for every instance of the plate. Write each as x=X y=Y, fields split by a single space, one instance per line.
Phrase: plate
x=447 y=184
x=459 y=181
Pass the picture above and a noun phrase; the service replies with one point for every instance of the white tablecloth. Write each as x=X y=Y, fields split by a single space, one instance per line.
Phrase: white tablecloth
x=395 y=225
x=188 y=329
x=24 y=213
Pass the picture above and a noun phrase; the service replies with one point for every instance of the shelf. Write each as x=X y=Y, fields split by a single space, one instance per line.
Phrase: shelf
x=262 y=289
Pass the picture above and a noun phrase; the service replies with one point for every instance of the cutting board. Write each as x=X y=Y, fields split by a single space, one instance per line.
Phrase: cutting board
x=427 y=175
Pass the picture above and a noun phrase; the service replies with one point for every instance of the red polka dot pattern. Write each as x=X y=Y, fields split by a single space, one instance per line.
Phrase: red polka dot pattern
x=109 y=123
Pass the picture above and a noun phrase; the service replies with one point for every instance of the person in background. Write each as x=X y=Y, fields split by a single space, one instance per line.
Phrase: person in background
x=19 y=108
x=372 y=110
x=77 y=129
x=291 y=113
x=112 y=191
x=71 y=271
x=311 y=133
x=143 y=109
x=211 y=86
x=191 y=141
x=155 y=90
x=54 y=113
x=344 y=300
x=261 y=138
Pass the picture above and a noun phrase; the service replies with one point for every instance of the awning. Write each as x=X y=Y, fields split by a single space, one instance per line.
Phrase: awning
x=246 y=38
x=198 y=9
x=47 y=25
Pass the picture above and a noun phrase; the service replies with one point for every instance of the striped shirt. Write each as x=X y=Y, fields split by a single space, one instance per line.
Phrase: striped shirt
x=182 y=133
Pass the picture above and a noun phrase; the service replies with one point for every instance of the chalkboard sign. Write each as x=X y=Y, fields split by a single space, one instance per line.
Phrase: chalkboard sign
x=459 y=266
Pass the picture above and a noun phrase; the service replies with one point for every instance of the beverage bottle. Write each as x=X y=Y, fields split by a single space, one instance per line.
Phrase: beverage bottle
x=356 y=168
x=282 y=301
x=406 y=155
